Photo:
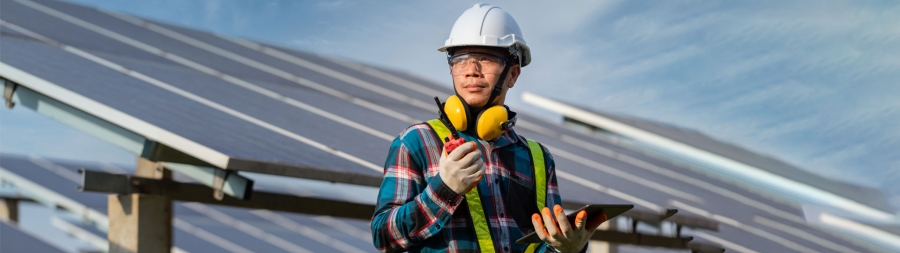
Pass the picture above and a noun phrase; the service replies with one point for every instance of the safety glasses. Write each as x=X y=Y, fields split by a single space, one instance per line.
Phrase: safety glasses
x=483 y=62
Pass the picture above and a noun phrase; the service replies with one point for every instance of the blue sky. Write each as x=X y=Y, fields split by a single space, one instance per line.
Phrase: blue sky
x=814 y=83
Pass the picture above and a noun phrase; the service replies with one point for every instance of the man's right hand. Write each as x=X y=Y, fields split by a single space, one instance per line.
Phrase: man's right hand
x=462 y=168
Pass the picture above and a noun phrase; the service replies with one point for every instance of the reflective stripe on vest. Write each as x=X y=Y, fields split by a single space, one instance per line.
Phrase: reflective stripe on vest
x=537 y=157
x=531 y=248
x=473 y=199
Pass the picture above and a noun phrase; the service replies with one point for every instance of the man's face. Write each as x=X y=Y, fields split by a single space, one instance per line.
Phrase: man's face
x=474 y=84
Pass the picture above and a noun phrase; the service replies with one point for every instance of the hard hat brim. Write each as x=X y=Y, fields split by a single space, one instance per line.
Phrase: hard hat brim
x=526 y=52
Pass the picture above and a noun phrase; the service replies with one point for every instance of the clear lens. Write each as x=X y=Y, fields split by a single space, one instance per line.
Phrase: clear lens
x=484 y=63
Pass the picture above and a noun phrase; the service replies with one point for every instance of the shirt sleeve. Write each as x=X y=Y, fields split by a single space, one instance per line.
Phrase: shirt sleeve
x=553 y=197
x=409 y=209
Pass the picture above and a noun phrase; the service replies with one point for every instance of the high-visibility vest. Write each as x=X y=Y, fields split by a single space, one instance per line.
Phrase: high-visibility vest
x=473 y=199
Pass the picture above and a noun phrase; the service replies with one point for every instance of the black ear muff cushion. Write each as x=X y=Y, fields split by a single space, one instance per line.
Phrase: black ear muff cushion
x=468 y=110
x=470 y=119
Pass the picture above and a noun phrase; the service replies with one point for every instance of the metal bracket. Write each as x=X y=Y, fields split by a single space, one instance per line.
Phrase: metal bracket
x=9 y=87
x=158 y=152
x=219 y=182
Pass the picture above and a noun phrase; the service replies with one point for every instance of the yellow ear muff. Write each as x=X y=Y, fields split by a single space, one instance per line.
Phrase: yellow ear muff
x=456 y=113
x=490 y=122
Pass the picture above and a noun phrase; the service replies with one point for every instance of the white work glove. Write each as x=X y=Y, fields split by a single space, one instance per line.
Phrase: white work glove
x=565 y=237
x=461 y=170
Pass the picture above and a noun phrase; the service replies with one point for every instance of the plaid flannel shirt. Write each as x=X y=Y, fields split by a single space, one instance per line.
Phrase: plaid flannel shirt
x=417 y=212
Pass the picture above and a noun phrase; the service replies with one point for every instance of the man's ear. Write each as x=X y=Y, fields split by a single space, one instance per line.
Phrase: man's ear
x=514 y=72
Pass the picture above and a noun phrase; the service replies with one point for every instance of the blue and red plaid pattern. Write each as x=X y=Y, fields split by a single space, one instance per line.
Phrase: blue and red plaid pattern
x=417 y=212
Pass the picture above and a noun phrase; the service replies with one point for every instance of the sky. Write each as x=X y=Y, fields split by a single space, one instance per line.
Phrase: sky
x=813 y=83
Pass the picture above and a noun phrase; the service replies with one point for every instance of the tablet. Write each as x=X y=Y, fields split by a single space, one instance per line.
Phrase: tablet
x=611 y=211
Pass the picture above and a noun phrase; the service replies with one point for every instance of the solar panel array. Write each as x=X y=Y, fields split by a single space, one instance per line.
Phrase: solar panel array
x=200 y=227
x=257 y=107
x=869 y=196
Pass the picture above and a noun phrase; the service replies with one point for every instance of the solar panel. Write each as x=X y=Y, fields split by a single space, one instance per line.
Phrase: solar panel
x=184 y=116
x=200 y=227
x=14 y=240
x=869 y=196
x=274 y=110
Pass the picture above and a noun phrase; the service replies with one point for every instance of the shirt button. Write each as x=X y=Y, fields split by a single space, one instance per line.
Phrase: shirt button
x=501 y=215
x=438 y=226
x=496 y=180
x=505 y=248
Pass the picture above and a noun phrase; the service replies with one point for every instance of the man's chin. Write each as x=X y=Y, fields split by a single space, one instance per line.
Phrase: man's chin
x=477 y=103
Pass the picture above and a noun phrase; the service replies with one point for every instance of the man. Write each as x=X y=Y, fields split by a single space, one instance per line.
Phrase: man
x=479 y=200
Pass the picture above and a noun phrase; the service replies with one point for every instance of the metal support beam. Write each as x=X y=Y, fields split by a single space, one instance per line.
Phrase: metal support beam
x=141 y=223
x=233 y=184
x=157 y=152
x=9 y=210
x=95 y=181
x=697 y=247
x=9 y=88
x=222 y=181
x=78 y=119
x=641 y=239
x=652 y=217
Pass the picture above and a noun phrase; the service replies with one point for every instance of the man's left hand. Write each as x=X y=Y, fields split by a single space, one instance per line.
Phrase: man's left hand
x=563 y=236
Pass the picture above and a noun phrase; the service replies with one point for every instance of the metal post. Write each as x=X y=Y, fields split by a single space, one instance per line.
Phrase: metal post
x=595 y=246
x=9 y=210
x=141 y=223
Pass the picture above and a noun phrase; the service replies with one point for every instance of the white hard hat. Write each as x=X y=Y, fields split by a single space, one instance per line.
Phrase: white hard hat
x=488 y=26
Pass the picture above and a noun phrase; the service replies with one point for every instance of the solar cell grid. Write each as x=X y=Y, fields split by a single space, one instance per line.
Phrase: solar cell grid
x=15 y=240
x=163 y=108
x=68 y=32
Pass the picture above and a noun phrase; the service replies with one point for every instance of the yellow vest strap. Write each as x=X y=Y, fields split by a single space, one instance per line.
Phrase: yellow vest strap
x=540 y=181
x=532 y=247
x=473 y=200
x=540 y=173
